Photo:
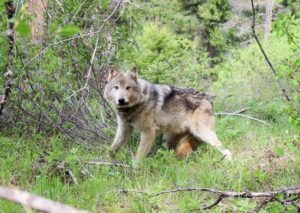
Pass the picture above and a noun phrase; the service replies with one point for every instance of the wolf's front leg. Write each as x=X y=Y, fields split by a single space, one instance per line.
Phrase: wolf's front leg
x=123 y=132
x=146 y=143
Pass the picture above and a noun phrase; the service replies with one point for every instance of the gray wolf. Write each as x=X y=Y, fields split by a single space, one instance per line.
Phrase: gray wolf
x=184 y=116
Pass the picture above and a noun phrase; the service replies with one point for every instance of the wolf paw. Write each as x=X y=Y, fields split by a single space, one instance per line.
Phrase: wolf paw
x=136 y=163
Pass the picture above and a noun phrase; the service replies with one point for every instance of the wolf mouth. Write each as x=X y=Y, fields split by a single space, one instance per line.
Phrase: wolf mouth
x=121 y=105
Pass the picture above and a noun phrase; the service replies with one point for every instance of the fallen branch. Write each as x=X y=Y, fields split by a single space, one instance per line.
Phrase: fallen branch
x=294 y=190
x=270 y=196
x=105 y=163
x=279 y=81
x=125 y=191
x=35 y=202
x=241 y=115
x=220 y=198
x=241 y=111
x=10 y=9
x=238 y=113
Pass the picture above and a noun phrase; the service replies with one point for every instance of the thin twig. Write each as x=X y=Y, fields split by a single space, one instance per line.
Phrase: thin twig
x=241 y=115
x=105 y=163
x=89 y=70
x=238 y=113
x=214 y=203
x=94 y=52
x=263 y=204
x=284 y=92
x=241 y=111
x=271 y=195
x=294 y=190
x=61 y=7
x=125 y=191
x=76 y=36
x=290 y=36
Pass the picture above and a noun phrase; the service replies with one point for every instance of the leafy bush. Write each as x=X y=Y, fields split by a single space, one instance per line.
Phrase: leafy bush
x=288 y=28
x=163 y=57
x=245 y=79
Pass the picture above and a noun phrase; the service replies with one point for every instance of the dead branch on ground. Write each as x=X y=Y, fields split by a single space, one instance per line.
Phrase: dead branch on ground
x=106 y=163
x=290 y=194
x=35 y=202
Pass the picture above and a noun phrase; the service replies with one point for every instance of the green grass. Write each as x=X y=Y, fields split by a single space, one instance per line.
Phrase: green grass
x=264 y=158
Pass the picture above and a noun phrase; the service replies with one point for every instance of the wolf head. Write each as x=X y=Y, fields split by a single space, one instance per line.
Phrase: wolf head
x=122 y=88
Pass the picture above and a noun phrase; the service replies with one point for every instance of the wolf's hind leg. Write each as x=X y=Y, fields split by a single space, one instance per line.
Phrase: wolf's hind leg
x=146 y=143
x=172 y=140
x=187 y=146
x=209 y=136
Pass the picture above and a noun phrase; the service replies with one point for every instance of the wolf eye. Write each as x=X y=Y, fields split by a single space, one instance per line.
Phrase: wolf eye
x=128 y=87
x=116 y=87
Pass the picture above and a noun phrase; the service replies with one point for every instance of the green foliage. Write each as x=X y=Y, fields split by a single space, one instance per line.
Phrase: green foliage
x=23 y=28
x=158 y=54
x=288 y=27
x=163 y=57
x=161 y=48
x=245 y=79
x=210 y=14
x=213 y=12
x=21 y=21
x=68 y=30
x=2 y=5
x=259 y=164
x=293 y=5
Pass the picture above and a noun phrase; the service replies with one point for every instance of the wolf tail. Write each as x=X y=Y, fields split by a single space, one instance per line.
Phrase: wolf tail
x=187 y=146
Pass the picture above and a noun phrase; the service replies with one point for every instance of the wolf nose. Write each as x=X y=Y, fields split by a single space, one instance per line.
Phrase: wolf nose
x=121 y=101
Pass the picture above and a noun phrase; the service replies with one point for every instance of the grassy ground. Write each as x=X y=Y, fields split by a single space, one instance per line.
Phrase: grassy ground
x=264 y=158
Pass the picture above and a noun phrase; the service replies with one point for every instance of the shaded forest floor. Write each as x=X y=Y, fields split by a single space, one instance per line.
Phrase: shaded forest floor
x=264 y=158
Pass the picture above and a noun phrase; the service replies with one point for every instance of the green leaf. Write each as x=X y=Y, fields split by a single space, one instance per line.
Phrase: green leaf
x=69 y=30
x=104 y=4
x=279 y=151
x=2 y=6
x=23 y=28
x=2 y=2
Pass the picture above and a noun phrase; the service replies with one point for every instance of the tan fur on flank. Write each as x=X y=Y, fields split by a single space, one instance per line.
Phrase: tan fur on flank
x=182 y=115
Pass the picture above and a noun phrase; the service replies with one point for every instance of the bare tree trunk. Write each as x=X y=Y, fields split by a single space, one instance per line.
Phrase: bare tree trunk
x=37 y=8
x=10 y=8
x=268 y=18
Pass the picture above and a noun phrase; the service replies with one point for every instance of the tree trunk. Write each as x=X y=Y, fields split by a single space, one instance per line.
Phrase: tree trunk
x=37 y=8
x=268 y=18
x=10 y=9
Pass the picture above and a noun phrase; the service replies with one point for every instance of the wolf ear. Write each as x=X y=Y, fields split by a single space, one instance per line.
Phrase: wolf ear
x=133 y=72
x=112 y=72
